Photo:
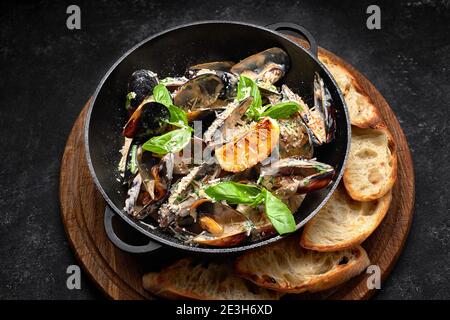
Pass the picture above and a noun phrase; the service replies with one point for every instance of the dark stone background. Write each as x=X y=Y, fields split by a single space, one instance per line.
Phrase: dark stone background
x=48 y=72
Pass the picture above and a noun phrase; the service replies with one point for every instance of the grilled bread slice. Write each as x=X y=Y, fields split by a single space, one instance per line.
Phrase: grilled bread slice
x=343 y=222
x=151 y=282
x=363 y=113
x=286 y=267
x=206 y=280
x=371 y=169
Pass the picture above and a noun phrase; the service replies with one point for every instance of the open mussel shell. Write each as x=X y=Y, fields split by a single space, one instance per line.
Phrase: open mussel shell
x=308 y=175
x=173 y=83
x=150 y=179
x=267 y=66
x=323 y=107
x=199 y=92
x=212 y=66
x=320 y=119
x=141 y=83
x=147 y=120
x=220 y=224
x=295 y=139
x=261 y=225
x=191 y=156
x=184 y=193
x=223 y=126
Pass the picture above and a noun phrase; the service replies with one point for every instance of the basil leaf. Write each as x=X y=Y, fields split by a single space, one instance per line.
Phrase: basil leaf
x=278 y=213
x=177 y=116
x=169 y=142
x=162 y=95
x=235 y=193
x=130 y=96
x=282 y=110
x=247 y=87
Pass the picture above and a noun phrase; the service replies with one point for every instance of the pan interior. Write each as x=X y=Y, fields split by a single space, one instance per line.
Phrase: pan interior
x=168 y=54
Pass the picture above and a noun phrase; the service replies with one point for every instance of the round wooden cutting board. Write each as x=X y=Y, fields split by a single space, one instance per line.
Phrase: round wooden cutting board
x=118 y=274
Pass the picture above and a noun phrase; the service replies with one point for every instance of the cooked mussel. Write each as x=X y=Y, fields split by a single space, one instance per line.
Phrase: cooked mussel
x=295 y=138
x=199 y=92
x=320 y=119
x=140 y=87
x=210 y=66
x=223 y=127
x=185 y=192
x=217 y=224
x=147 y=120
x=323 y=109
x=267 y=66
x=173 y=83
x=150 y=184
x=305 y=175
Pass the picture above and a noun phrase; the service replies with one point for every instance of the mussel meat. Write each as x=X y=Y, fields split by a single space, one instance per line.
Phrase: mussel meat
x=217 y=224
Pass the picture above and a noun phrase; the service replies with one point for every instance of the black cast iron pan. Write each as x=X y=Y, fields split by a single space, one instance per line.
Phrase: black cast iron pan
x=169 y=53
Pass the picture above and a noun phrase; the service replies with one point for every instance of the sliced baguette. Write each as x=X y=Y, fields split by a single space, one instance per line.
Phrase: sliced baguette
x=192 y=279
x=343 y=222
x=371 y=168
x=363 y=113
x=286 y=267
x=152 y=282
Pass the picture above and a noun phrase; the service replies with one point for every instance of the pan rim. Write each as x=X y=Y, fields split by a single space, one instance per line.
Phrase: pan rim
x=137 y=224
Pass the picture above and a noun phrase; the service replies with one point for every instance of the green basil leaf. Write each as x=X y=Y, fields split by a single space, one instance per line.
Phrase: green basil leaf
x=278 y=213
x=235 y=193
x=162 y=95
x=177 y=116
x=282 y=110
x=169 y=142
x=130 y=96
x=247 y=87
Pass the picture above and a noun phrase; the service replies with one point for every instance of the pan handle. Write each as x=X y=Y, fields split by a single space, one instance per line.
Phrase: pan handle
x=290 y=26
x=149 y=247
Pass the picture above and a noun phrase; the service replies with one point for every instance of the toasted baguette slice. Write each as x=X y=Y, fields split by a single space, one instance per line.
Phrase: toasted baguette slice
x=371 y=169
x=152 y=282
x=343 y=222
x=286 y=267
x=363 y=113
x=190 y=279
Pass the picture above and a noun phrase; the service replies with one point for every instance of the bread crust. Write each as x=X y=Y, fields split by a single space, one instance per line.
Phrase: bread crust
x=163 y=284
x=340 y=273
x=382 y=209
x=373 y=118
